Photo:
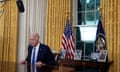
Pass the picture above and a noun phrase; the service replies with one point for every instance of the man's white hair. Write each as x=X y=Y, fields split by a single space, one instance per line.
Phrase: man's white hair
x=36 y=35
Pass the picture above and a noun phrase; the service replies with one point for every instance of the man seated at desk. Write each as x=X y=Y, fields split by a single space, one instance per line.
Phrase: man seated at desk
x=38 y=53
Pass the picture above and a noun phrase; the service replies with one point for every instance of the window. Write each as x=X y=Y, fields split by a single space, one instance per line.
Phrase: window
x=86 y=25
x=88 y=12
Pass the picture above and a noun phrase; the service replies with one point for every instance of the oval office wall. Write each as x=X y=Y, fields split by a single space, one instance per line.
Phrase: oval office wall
x=36 y=18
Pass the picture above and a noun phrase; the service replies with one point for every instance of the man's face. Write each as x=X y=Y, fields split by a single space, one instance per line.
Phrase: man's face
x=33 y=40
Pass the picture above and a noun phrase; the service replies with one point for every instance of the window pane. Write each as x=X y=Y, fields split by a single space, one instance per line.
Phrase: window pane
x=88 y=18
x=89 y=48
x=88 y=14
x=81 y=18
x=88 y=11
x=82 y=5
x=92 y=4
x=97 y=4
x=92 y=17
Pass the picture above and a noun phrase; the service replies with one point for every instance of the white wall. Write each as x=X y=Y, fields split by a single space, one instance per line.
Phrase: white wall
x=32 y=20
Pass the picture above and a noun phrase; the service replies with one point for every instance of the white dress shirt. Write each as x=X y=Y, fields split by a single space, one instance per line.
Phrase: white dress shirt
x=36 y=52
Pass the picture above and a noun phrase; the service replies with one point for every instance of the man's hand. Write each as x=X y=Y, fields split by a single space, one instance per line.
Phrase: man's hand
x=23 y=62
x=39 y=64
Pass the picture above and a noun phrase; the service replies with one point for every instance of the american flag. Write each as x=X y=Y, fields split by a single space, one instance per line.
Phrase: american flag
x=68 y=41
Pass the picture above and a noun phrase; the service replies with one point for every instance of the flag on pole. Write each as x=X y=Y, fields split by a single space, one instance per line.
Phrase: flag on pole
x=100 y=42
x=68 y=41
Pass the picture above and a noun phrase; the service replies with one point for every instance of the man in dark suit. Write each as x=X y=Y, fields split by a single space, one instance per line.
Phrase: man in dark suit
x=38 y=53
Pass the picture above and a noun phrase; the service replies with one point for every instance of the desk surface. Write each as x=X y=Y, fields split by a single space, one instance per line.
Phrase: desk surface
x=84 y=63
x=14 y=67
x=101 y=66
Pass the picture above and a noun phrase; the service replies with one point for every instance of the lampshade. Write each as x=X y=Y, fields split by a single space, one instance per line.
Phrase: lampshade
x=88 y=32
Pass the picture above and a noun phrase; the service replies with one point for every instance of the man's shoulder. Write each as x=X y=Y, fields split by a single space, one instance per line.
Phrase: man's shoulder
x=43 y=45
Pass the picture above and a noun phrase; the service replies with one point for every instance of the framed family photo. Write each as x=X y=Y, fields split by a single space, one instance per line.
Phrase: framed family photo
x=77 y=54
x=102 y=56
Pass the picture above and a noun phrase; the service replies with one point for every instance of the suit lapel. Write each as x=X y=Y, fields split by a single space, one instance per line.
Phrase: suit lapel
x=40 y=53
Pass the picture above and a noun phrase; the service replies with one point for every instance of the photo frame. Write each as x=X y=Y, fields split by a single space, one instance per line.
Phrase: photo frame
x=102 y=56
x=94 y=56
x=77 y=54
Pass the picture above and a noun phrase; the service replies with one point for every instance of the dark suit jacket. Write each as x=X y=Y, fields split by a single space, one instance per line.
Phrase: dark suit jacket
x=44 y=55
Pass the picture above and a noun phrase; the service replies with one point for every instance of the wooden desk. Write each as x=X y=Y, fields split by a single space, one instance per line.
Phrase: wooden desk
x=100 y=66
x=15 y=67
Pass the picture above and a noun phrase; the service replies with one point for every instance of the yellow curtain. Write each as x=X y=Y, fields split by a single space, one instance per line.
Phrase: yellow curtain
x=8 y=31
x=110 y=11
x=57 y=13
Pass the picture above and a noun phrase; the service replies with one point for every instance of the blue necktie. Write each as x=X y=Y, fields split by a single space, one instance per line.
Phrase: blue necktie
x=33 y=58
